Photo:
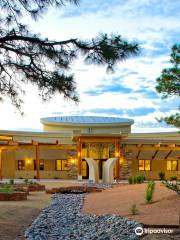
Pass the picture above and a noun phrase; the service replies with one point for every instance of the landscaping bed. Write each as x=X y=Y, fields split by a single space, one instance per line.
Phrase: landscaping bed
x=13 y=196
x=163 y=210
x=62 y=219
x=37 y=187
x=73 y=189
x=27 y=186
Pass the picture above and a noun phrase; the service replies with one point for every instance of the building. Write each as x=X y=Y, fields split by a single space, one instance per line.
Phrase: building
x=88 y=147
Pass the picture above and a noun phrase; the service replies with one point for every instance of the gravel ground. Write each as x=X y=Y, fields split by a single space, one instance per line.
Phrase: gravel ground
x=64 y=220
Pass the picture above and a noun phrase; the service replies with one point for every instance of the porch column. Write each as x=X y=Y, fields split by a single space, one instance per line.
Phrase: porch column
x=117 y=155
x=1 y=164
x=37 y=162
x=79 y=157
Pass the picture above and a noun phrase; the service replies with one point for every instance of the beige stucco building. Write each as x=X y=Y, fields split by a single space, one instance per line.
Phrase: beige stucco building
x=80 y=146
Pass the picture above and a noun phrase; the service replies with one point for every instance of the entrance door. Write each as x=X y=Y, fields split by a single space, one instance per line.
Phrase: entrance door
x=100 y=163
x=85 y=169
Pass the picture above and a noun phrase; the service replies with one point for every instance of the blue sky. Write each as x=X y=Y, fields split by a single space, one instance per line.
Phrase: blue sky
x=130 y=90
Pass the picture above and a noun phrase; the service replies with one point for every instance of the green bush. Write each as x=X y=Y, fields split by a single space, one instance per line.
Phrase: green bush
x=130 y=180
x=6 y=188
x=173 y=178
x=26 y=181
x=11 y=181
x=140 y=178
x=133 y=209
x=161 y=175
x=134 y=179
x=150 y=191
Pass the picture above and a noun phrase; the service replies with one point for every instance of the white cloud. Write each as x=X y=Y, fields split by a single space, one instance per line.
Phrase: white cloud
x=133 y=19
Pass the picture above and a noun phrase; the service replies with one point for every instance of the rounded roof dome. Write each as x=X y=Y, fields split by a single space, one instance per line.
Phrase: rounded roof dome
x=85 y=120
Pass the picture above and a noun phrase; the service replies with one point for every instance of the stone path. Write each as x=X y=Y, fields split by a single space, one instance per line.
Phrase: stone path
x=63 y=220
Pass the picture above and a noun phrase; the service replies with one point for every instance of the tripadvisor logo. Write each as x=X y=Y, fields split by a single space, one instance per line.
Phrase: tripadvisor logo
x=140 y=231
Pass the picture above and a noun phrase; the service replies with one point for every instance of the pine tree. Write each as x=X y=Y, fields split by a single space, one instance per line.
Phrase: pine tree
x=27 y=57
x=169 y=84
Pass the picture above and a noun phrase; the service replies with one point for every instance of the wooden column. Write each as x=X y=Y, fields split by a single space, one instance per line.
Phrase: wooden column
x=1 y=164
x=37 y=162
x=79 y=157
x=117 y=154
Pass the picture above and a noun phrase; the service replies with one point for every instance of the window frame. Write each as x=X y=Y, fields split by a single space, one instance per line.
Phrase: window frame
x=21 y=160
x=173 y=160
x=40 y=162
x=144 y=168
x=60 y=164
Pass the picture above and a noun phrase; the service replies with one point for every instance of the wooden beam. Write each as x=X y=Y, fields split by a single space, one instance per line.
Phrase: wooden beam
x=79 y=157
x=147 y=148
x=139 y=151
x=37 y=162
x=61 y=146
x=52 y=146
x=5 y=147
x=156 y=152
x=12 y=143
x=117 y=154
x=97 y=140
x=1 y=164
x=5 y=138
x=169 y=153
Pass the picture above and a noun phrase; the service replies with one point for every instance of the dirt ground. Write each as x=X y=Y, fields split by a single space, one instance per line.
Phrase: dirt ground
x=118 y=200
x=15 y=217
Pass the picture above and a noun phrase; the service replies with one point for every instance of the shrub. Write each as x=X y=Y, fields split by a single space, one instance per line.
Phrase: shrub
x=150 y=191
x=173 y=178
x=26 y=181
x=130 y=180
x=161 y=175
x=134 y=179
x=133 y=209
x=6 y=189
x=140 y=178
x=11 y=181
x=31 y=182
x=173 y=186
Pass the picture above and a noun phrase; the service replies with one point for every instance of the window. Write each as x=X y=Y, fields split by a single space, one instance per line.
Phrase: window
x=144 y=165
x=21 y=164
x=61 y=165
x=58 y=165
x=172 y=165
x=41 y=165
x=89 y=130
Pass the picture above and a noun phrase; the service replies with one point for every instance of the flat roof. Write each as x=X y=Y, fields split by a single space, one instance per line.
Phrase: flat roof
x=84 y=120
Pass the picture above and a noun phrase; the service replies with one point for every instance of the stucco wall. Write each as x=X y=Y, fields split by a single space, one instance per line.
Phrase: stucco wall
x=156 y=166
x=86 y=129
x=8 y=163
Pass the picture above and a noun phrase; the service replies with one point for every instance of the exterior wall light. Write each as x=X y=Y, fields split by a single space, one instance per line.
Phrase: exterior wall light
x=117 y=154
x=28 y=161
x=73 y=161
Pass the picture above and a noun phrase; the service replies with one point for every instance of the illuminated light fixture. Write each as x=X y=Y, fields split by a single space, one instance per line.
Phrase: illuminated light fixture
x=117 y=154
x=28 y=161
x=79 y=154
x=73 y=161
